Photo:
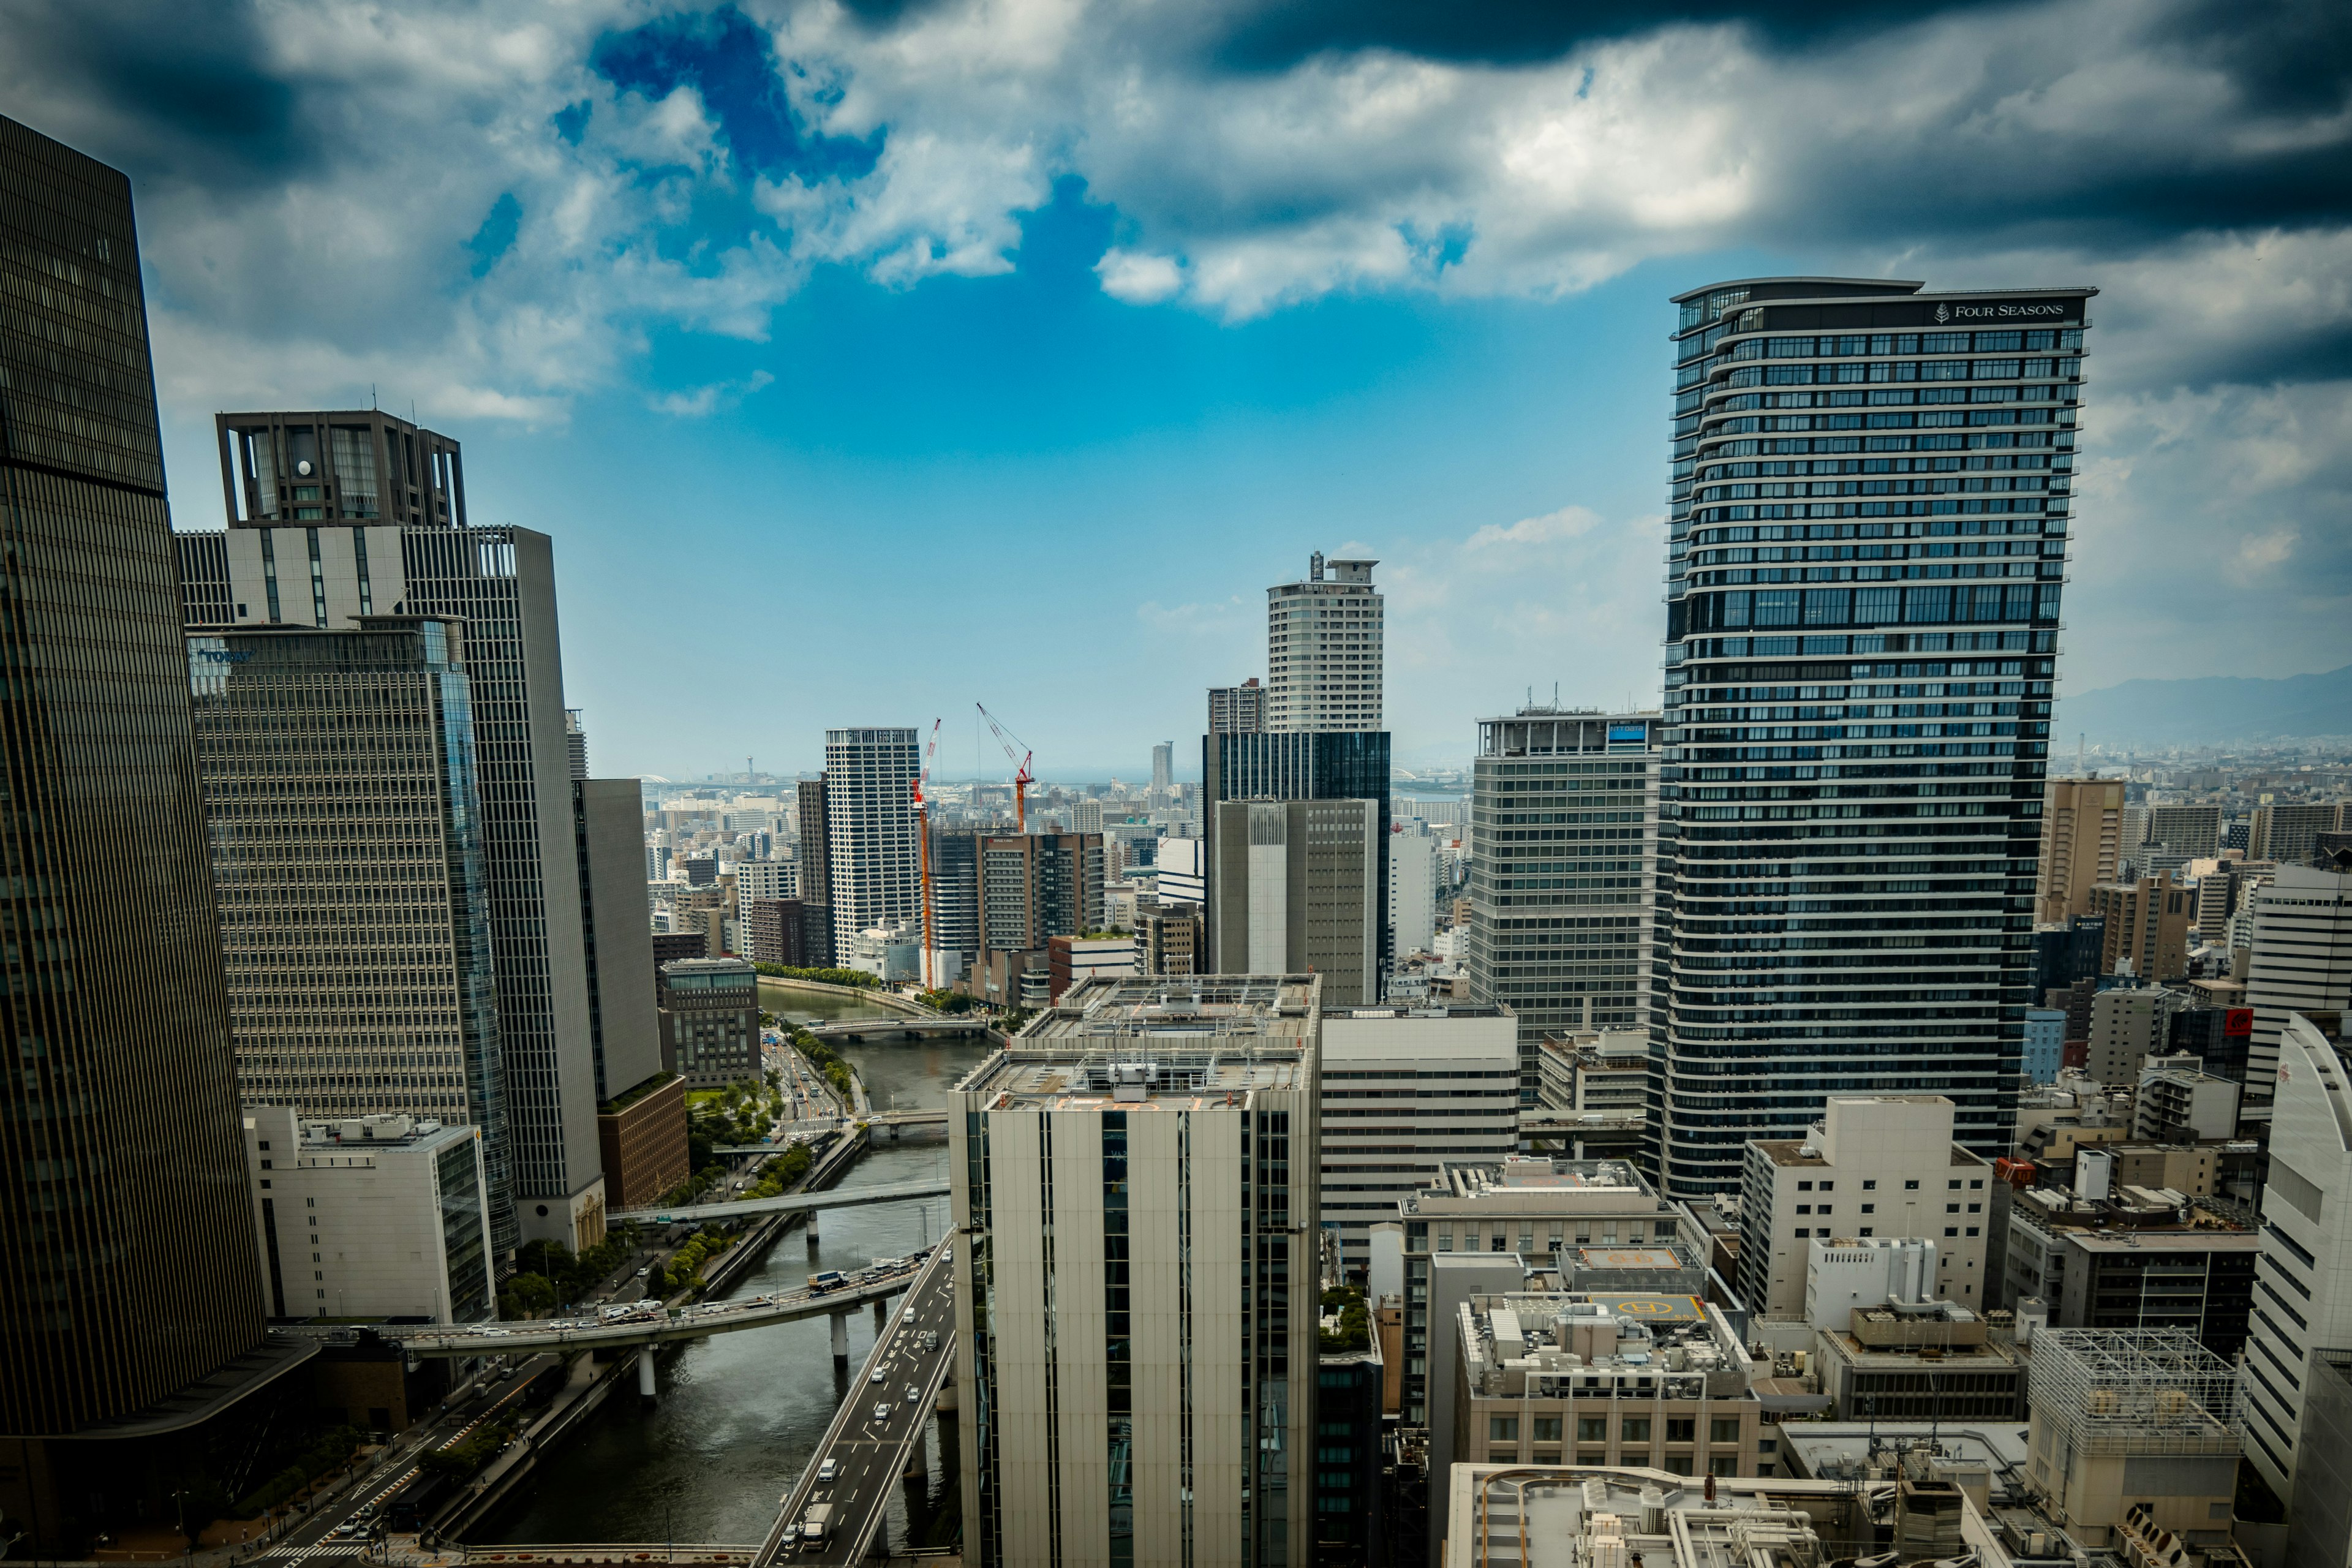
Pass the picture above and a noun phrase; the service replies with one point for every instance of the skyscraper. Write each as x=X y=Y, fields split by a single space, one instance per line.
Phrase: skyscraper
x=1238 y=708
x=817 y=873
x=357 y=941
x=1564 y=875
x=127 y=1267
x=2081 y=844
x=1136 y=1266
x=1296 y=891
x=1163 y=767
x=871 y=830
x=337 y=515
x=1867 y=541
x=1325 y=638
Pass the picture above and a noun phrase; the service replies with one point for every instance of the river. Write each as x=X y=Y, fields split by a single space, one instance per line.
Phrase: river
x=739 y=1415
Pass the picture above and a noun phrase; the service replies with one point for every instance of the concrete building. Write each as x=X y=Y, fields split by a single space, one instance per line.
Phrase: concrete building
x=1548 y=1378
x=624 y=1020
x=2081 y=844
x=371 y=1217
x=1350 y=1510
x=1184 y=869
x=1072 y=958
x=765 y=879
x=2128 y=1024
x=1604 y=1072
x=2146 y=929
x=337 y=515
x=1563 y=891
x=2302 y=963
x=711 y=1021
x=779 y=932
x=1843 y=1278
x=1406 y=1093
x=357 y=938
x=2045 y=1043
x=1771 y=683
x=817 y=869
x=642 y=1132
x=1495 y=1216
x=1163 y=768
x=2306 y=1241
x=1919 y=1361
x=2184 y=832
x=871 y=830
x=1297 y=889
x=1287 y=767
x=2180 y=1103
x=1237 y=710
x=1875 y=1165
x=2109 y=1254
x=1412 y=891
x=1325 y=641
x=1131 y=1181
x=1036 y=886
x=2320 y=1529
x=125 y=1273
x=2123 y=1419
x=2291 y=832
x=1171 y=938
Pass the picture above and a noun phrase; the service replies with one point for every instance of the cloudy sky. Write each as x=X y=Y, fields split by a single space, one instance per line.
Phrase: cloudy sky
x=867 y=360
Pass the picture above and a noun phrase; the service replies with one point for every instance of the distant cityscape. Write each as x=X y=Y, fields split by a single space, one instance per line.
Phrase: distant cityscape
x=1823 y=1118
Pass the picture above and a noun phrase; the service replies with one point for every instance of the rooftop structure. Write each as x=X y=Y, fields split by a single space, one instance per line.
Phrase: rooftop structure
x=2154 y=1390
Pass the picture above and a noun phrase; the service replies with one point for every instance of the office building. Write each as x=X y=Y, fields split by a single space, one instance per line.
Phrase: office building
x=2045 y=1043
x=778 y=930
x=1350 y=1508
x=642 y=1134
x=1288 y=766
x=1325 y=638
x=375 y=1217
x=1183 y=870
x=955 y=891
x=1516 y=1214
x=1163 y=768
x=1599 y=1086
x=2179 y=1103
x=1816 y=728
x=2306 y=1233
x=2081 y=844
x=1036 y=886
x=1237 y=710
x=2132 y=1257
x=1875 y=1165
x=711 y=1021
x=1860 y=1274
x=871 y=830
x=625 y=1032
x=1296 y=886
x=126 y=1275
x=1170 y=937
x=2145 y=1419
x=1553 y=1377
x=1072 y=958
x=353 y=904
x=1132 y=1185
x=2179 y=834
x=817 y=869
x=2320 y=1529
x=1563 y=889
x=757 y=879
x=2128 y=1024
x=335 y=515
x=2291 y=833
x=1919 y=1361
x=1406 y=1093
x=2302 y=963
x=1412 y=891
x=576 y=743
x=2146 y=926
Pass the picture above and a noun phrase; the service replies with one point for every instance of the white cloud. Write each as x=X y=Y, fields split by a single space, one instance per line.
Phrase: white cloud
x=697 y=403
x=1138 y=279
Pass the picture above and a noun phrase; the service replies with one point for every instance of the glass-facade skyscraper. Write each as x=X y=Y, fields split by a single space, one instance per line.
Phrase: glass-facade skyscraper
x=1871 y=506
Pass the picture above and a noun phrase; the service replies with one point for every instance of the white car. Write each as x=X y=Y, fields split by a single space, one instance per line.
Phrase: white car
x=829 y=1471
x=882 y=1410
x=881 y=1374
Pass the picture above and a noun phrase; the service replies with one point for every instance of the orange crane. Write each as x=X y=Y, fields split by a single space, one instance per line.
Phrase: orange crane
x=1022 y=778
x=923 y=832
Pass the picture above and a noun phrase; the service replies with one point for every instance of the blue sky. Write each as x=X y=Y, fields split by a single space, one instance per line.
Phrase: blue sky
x=867 y=361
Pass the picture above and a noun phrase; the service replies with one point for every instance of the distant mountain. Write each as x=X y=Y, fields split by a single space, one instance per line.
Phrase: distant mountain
x=2216 y=711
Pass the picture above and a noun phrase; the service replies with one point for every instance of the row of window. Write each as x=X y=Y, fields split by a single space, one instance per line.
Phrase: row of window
x=1595 y=1428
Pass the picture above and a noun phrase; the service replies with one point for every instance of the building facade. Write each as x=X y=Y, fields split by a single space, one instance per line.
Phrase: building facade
x=354 y=901
x=376 y=1216
x=1239 y=710
x=1295 y=766
x=1134 y=1268
x=624 y=1034
x=1326 y=638
x=711 y=1021
x=126 y=1272
x=1857 y=741
x=642 y=1133
x=871 y=830
x=2146 y=926
x=2302 y=963
x=1036 y=886
x=337 y=515
x=1564 y=874
x=2081 y=844
x=1297 y=886
x=817 y=868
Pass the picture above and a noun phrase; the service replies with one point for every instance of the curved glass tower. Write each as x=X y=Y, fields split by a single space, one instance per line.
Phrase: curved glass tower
x=1871 y=491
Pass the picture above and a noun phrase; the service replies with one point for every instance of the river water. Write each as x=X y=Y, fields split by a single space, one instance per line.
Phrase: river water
x=739 y=1415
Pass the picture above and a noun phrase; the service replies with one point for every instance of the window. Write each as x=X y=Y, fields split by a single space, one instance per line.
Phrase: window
x=1546 y=1428
x=1681 y=1429
x=1723 y=1464
x=1805 y=1208
x=1972 y=1230
x=1952 y=1208
x=1829 y=1186
x=1503 y=1428
x=1911 y=1187
x=1954 y=1184
x=1870 y=1208
x=1634 y=1428
x=1976 y=1185
x=1592 y=1429
x=1951 y=1230
x=1871 y=1186
x=1720 y=1430
x=1804 y=1186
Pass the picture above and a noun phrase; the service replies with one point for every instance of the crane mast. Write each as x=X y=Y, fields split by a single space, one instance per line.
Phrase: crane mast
x=1022 y=778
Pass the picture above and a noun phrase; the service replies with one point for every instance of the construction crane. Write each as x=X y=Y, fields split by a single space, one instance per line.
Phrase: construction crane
x=1022 y=778
x=923 y=832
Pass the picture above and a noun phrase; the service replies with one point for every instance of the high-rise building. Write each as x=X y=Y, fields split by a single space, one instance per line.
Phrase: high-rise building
x=127 y=1269
x=2291 y=832
x=871 y=830
x=758 y=880
x=337 y=515
x=1871 y=504
x=1246 y=768
x=1182 y=868
x=2146 y=926
x=711 y=1021
x=624 y=1034
x=2186 y=832
x=1036 y=886
x=2081 y=844
x=1237 y=710
x=955 y=891
x=358 y=942
x=576 y=743
x=1136 y=1264
x=1325 y=639
x=1564 y=876
x=2302 y=963
x=1163 y=767
x=1170 y=937
x=1296 y=890
x=817 y=871
x=2307 y=1231
x=1412 y=891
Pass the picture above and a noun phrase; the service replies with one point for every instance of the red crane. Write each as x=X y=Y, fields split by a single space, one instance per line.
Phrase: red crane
x=1022 y=778
x=923 y=829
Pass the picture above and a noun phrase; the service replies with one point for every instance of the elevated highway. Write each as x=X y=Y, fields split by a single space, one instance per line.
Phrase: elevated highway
x=789 y=1202
x=869 y=1453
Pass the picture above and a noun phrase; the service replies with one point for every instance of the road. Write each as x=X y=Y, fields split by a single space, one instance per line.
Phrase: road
x=790 y=1202
x=872 y=1452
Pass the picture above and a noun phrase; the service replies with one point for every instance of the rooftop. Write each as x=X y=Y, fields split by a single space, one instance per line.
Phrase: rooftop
x=1550 y=1344
x=1161 y=1012
x=1535 y=1178
x=1177 y=1078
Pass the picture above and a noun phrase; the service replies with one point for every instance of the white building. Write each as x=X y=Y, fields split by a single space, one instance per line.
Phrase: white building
x=1875 y=1165
x=1136 y=1274
x=871 y=830
x=757 y=881
x=891 y=953
x=2306 y=1257
x=1325 y=641
x=1844 y=1276
x=1183 y=866
x=375 y=1217
x=1412 y=890
x=1406 y=1092
x=2302 y=963
x=1092 y=958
